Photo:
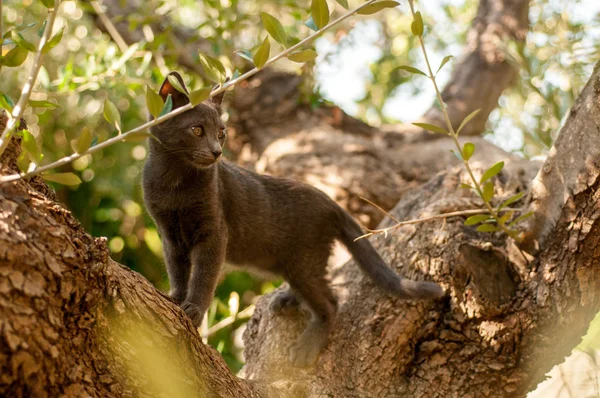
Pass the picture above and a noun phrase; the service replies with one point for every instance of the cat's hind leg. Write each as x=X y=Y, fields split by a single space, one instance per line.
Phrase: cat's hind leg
x=307 y=278
x=283 y=300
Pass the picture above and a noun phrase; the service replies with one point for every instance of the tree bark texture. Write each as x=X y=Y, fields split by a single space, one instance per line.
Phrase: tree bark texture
x=75 y=323
x=505 y=322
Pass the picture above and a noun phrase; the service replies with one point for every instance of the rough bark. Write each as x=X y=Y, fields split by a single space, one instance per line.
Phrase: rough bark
x=75 y=323
x=570 y=168
x=505 y=322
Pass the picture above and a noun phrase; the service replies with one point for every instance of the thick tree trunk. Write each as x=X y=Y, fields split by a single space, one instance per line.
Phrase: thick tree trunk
x=73 y=322
x=505 y=322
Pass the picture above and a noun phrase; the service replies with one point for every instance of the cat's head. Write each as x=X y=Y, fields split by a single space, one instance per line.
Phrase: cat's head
x=196 y=136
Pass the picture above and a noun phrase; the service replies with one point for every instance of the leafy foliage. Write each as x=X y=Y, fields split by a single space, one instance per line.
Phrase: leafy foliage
x=88 y=87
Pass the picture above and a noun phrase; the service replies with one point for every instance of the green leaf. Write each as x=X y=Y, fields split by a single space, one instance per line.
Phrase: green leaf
x=491 y=172
x=416 y=26
x=274 y=27
x=24 y=26
x=468 y=150
x=31 y=146
x=310 y=22
x=200 y=95
x=411 y=69
x=488 y=191
x=511 y=200
x=247 y=55
x=320 y=12
x=521 y=218
x=343 y=3
x=177 y=84
x=111 y=114
x=62 y=178
x=431 y=127
x=444 y=62
x=154 y=102
x=262 y=54
x=15 y=57
x=42 y=104
x=6 y=41
x=457 y=154
x=84 y=141
x=303 y=56
x=477 y=219
x=378 y=6
x=213 y=68
x=23 y=161
x=137 y=136
x=40 y=31
x=467 y=120
x=53 y=41
x=505 y=217
x=48 y=3
x=21 y=42
x=6 y=102
x=167 y=107
x=465 y=186
x=487 y=228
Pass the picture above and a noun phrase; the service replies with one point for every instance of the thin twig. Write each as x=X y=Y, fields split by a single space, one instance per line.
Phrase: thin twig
x=454 y=135
x=380 y=209
x=399 y=224
x=30 y=81
x=246 y=313
x=110 y=28
x=1 y=38
x=180 y=110
x=118 y=39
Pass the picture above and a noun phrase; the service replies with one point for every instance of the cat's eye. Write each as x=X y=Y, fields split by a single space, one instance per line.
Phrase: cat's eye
x=198 y=130
x=221 y=133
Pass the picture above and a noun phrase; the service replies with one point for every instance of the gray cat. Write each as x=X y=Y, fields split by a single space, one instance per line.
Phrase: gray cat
x=210 y=211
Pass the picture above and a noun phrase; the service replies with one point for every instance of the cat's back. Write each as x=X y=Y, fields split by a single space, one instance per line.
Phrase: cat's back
x=275 y=203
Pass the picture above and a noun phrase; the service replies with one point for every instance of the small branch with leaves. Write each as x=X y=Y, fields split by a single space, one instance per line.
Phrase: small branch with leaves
x=214 y=69
x=491 y=220
x=473 y=213
x=16 y=56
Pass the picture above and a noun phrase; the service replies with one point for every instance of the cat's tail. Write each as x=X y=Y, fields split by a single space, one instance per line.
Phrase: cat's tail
x=373 y=265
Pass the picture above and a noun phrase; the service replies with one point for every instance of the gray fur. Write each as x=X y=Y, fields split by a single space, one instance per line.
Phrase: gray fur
x=210 y=211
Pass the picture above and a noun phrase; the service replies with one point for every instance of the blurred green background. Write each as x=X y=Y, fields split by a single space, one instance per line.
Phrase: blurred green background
x=87 y=67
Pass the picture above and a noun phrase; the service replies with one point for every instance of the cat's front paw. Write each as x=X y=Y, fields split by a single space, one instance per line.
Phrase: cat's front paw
x=194 y=312
x=177 y=297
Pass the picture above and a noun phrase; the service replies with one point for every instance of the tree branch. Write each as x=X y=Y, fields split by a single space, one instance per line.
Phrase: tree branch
x=570 y=168
x=483 y=73
x=30 y=81
x=218 y=90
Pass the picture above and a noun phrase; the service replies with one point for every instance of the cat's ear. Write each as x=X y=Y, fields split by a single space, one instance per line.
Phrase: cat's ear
x=218 y=99
x=179 y=98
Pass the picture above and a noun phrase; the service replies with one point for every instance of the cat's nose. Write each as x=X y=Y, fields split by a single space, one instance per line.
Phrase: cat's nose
x=216 y=153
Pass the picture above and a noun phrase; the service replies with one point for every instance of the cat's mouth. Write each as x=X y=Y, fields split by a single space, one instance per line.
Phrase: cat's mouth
x=203 y=162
